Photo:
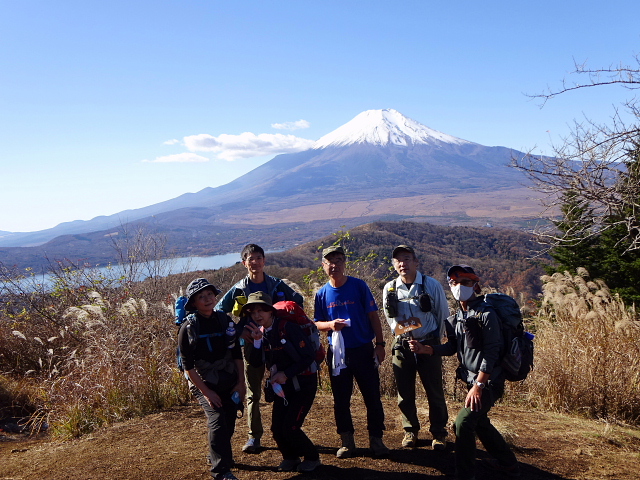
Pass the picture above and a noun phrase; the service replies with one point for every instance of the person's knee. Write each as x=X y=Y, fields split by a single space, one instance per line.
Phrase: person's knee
x=463 y=425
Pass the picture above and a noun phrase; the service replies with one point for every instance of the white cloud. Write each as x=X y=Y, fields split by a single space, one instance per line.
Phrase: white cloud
x=246 y=145
x=291 y=125
x=173 y=141
x=179 y=158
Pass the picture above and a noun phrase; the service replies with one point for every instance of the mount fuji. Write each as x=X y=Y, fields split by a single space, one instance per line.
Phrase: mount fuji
x=384 y=127
x=380 y=164
x=378 y=154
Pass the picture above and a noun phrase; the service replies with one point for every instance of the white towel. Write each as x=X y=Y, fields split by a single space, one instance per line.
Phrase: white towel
x=337 y=348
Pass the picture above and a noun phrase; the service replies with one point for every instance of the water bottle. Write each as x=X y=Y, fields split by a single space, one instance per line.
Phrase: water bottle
x=231 y=335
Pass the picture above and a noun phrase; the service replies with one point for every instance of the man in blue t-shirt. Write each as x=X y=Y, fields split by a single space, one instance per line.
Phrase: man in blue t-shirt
x=345 y=307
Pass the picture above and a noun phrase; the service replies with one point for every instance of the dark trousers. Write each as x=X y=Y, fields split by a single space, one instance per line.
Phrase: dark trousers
x=468 y=424
x=221 y=423
x=429 y=367
x=361 y=368
x=287 y=420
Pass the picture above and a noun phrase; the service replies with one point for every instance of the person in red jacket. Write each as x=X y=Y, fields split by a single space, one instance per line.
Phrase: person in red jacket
x=287 y=353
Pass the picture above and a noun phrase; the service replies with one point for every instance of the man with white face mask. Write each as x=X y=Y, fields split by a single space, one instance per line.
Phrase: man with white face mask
x=475 y=334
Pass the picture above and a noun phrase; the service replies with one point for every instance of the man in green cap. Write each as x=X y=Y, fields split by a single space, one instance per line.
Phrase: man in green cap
x=345 y=307
x=416 y=308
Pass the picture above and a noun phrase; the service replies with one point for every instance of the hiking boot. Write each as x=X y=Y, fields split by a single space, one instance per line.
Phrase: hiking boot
x=512 y=471
x=410 y=440
x=252 y=445
x=289 y=464
x=309 y=465
x=348 y=447
x=439 y=443
x=225 y=476
x=378 y=448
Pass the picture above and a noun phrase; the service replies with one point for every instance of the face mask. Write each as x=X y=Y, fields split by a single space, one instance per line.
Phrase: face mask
x=462 y=293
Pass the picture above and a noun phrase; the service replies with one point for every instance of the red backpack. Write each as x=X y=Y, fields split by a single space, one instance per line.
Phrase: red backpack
x=292 y=312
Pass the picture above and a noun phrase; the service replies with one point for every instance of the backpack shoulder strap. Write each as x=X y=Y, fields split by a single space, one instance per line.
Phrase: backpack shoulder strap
x=282 y=331
x=274 y=288
x=192 y=327
x=222 y=319
x=192 y=320
x=424 y=283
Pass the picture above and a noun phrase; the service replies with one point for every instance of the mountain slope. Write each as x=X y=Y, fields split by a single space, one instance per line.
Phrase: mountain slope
x=380 y=154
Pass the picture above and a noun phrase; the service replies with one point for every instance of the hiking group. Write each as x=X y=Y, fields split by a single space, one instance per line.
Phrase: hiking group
x=225 y=361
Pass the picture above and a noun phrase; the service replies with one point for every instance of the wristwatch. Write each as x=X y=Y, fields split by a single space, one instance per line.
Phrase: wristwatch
x=381 y=344
x=480 y=384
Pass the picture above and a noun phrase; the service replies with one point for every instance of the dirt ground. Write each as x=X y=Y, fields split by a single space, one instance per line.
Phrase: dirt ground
x=172 y=445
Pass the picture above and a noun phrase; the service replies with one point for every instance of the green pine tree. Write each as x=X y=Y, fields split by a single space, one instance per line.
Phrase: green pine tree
x=608 y=255
x=579 y=247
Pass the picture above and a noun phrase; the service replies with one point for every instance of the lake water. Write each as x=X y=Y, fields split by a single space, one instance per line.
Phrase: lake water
x=170 y=266
x=204 y=263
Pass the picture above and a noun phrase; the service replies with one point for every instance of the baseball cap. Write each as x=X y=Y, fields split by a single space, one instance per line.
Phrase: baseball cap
x=464 y=271
x=332 y=249
x=402 y=248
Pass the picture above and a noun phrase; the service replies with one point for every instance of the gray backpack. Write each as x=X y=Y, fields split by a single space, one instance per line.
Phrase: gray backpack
x=517 y=358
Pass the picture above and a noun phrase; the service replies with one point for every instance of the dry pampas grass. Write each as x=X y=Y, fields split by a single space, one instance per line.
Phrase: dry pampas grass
x=587 y=350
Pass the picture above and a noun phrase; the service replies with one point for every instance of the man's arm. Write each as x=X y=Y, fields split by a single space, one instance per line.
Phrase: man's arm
x=212 y=397
x=322 y=321
x=331 y=325
x=227 y=301
x=374 y=319
x=241 y=386
x=448 y=348
x=275 y=285
x=473 y=399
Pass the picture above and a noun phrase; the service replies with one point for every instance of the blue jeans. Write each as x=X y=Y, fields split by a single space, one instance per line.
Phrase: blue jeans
x=360 y=367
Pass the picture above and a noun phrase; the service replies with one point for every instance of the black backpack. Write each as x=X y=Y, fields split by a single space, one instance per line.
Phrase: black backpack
x=194 y=335
x=517 y=357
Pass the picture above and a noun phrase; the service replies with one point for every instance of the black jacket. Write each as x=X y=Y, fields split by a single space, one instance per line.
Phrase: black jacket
x=286 y=346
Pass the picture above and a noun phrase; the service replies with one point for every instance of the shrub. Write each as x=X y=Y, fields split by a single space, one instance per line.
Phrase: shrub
x=587 y=350
x=89 y=350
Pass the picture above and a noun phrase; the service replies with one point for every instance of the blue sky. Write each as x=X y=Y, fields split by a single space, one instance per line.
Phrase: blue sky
x=108 y=106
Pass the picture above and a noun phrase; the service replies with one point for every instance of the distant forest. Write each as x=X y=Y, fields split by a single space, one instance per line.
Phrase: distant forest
x=503 y=258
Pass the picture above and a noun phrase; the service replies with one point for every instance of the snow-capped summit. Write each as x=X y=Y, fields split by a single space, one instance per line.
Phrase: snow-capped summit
x=384 y=127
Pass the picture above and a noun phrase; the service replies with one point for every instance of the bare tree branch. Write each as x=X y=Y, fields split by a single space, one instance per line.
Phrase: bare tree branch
x=626 y=76
x=592 y=162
